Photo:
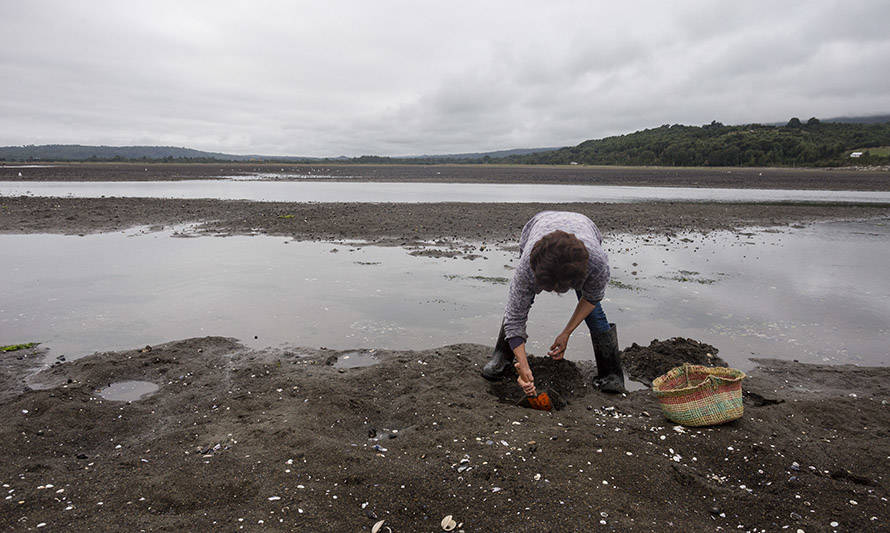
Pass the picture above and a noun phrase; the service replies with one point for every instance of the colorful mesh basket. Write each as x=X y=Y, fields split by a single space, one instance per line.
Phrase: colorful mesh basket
x=695 y=395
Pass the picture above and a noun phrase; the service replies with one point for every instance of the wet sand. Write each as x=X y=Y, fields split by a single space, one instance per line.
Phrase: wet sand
x=409 y=224
x=284 y=440
x=735 y=177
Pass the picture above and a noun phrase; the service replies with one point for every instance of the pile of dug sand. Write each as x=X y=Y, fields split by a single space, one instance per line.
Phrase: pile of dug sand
x=645 y=363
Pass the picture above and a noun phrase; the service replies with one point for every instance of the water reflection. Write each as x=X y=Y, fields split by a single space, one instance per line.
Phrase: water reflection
x=815 y=294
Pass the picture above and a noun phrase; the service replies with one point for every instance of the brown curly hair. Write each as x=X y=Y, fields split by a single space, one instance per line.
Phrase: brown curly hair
x=559 y=262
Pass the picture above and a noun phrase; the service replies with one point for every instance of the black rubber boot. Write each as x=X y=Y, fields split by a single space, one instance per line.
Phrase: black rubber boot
x=501 y=358
x=610 y=376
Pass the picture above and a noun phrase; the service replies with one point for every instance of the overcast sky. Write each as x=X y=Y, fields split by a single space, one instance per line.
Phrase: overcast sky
x=393 y=78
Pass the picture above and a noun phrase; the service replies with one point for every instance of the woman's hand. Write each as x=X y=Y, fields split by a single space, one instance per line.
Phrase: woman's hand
x=526 y=380
x=558 y=349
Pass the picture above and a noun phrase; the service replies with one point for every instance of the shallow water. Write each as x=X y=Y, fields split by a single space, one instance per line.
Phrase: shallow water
x=128 y=391
x=816 y=294
x=357 y=359
x=314 y=191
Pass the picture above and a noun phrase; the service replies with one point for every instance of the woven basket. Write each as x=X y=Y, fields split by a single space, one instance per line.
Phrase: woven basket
x=695 y=395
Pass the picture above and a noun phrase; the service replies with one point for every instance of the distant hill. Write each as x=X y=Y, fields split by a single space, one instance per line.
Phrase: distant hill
x=483 y=155
x=872 y=119
x=810 y=143
x=77 y=152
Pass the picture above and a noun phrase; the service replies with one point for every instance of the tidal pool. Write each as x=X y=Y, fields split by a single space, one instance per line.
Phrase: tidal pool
x=128 y=391
x=817 y=293
x=357 y=359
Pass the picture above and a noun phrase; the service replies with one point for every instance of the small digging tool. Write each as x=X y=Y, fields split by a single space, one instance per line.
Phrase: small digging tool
x=541 y=402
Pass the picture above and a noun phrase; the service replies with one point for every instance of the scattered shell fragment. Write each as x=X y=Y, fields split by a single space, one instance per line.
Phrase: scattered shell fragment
x=377 y=526
x=448 y=523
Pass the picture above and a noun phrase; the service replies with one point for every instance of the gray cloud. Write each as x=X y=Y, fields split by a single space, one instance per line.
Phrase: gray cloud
x=407 y=78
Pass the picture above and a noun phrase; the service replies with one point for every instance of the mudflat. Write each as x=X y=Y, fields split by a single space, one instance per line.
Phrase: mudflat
x=283 y=439
x=395 y=223
x=734 y=177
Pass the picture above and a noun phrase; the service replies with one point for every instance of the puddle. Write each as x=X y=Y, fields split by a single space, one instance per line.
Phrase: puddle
x=128 y=391
x=270 y=188
x=634 y=386
x=816 y=293
x=356 y=360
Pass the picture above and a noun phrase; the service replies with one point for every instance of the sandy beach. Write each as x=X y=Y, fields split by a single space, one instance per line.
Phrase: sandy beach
x=286 y=440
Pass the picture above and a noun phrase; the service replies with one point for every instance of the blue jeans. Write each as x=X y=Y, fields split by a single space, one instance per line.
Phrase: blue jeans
x=596 y=321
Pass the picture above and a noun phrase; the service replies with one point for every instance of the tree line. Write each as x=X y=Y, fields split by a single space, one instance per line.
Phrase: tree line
x=797 y=143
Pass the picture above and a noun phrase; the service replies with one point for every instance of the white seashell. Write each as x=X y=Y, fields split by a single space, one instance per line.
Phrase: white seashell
x=448 y=523
x=377 y=526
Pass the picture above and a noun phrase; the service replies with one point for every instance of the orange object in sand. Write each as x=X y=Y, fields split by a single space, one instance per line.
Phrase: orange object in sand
x=541 y=402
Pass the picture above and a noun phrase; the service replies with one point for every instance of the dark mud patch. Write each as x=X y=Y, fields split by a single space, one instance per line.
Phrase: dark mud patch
x=645 y=363
x=495 y=280
x=563 y=380
x=397 y=224
x=436 y=254
x=688 y=276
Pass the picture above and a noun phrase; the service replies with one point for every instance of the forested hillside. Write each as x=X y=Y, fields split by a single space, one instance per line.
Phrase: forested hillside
x=812 y=143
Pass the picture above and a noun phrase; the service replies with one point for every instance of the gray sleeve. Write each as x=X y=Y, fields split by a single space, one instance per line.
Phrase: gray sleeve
x=594 y=287
x=519 y=300
x=524 y=235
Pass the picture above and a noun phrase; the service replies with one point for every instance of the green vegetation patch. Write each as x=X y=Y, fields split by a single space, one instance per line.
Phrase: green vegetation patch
x=689 y=278
x=285 y=216
x=622 y=285
x=15 y=347
x=497 y=280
